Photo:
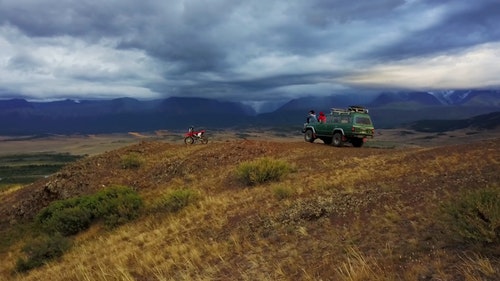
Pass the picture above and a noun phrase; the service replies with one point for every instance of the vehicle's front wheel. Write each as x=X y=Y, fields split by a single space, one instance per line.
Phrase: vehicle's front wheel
x=309 y=136
x=188 y=140
x=204 y=140
x=357 y=142
x=337 y=139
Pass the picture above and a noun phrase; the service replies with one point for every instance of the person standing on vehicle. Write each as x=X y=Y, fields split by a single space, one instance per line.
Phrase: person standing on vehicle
x=311 y=117
x=322 y=117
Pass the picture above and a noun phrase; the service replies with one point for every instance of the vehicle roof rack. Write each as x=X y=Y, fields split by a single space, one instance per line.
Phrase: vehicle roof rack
x=358 y=108
x=339 y=110
x=352 y=108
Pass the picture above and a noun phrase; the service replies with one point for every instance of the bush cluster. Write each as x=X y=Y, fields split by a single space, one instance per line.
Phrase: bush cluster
x=475 y=216
x=262 y=170
x=66 y=217
x=42 y=249
x=114 y=205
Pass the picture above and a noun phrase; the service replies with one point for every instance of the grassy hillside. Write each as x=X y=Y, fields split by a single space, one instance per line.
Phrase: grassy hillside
x=309 y=212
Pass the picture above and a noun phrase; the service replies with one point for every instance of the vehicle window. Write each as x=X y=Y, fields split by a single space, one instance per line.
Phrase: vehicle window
x=344 y=119
x=362 y=120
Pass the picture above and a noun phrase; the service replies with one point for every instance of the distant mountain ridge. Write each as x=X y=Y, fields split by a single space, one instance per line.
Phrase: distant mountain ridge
x=490 y=121
x=187 y=106
x=423 y=98
x=466 y=96
x=18 y=116
x=461 y=97
x=451 y=97
x=388 y=109
x=14 y=104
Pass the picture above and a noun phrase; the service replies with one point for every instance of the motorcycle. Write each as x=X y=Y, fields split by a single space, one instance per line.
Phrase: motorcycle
x=193 y=136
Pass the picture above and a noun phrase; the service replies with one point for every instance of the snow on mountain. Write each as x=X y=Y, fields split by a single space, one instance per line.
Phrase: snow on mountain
x=451 y=96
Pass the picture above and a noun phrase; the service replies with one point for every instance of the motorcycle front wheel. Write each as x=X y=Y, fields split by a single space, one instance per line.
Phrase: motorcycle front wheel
x=204 y=140
x=188 y=140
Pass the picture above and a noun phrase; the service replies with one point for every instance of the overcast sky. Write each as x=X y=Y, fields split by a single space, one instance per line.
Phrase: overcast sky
x=253 y=51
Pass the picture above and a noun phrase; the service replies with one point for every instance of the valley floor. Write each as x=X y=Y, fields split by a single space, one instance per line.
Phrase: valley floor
x=96 y=144
x=370 y=213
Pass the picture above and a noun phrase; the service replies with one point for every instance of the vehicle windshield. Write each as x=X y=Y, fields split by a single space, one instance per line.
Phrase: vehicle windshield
x=362 y=120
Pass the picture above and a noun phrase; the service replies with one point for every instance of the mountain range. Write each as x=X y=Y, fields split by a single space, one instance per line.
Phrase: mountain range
x=388 y=109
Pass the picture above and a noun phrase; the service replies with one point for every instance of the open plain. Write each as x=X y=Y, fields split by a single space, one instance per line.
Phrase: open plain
x=95 y=144
x=370 y=213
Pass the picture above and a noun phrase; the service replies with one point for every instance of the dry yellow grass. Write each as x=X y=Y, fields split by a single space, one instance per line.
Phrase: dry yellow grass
x=351 y=214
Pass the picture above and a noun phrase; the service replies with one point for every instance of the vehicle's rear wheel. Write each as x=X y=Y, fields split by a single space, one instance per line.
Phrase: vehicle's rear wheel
x=357 y=142
x=337 y=139
x=309 y=136
x=188 y=140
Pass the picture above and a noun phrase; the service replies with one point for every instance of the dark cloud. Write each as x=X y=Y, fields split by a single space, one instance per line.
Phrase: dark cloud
x=458 y=27
x=48 y=18
x=24 y=63
x=323 y=13
x=239 y=50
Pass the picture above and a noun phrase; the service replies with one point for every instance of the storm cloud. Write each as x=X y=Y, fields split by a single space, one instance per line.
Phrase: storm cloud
x=252 y=51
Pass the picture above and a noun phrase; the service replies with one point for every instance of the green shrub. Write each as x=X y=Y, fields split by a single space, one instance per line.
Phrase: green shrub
x=67 y=217
x=262 y=170
x=475 y=216
x=131 y=161
x=176 y=200
x=41 y=250
x=115 y=205
x=67 y=221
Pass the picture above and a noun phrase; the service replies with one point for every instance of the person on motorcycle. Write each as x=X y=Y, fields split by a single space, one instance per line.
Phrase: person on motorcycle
x=193 y=136
x=194 y=133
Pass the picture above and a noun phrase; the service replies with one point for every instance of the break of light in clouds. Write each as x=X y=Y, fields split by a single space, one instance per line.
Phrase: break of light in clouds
x=252 y=51
x=476 y=67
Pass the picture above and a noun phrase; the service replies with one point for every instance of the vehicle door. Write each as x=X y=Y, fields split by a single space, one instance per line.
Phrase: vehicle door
x=343 y=122
x=325 y=128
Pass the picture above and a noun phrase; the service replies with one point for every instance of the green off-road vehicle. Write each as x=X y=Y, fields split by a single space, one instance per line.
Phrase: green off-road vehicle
x=352 y=125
